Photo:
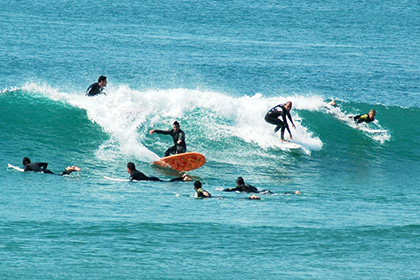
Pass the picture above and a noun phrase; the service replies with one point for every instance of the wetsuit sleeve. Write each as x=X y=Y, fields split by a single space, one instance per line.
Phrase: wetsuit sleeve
x=162 y=131
x=43 y=165
x=94 y=89
x=181 y=136
x=360 y=118
x=90 y=90
x=251 y=188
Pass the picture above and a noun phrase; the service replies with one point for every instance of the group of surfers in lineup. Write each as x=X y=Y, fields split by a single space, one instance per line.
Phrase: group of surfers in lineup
x=277 y=116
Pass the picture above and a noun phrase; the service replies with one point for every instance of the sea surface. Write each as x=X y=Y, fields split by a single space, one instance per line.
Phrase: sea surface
x=217 y=67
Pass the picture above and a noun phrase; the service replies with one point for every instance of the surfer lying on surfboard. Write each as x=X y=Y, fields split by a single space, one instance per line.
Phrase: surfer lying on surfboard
x=242 y=187
x=369 y=117
x=139 y=176
x=42 y=167
x=283 y=111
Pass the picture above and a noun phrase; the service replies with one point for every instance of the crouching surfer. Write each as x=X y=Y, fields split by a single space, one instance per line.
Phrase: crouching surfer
x=178 y=136
x=273 y=117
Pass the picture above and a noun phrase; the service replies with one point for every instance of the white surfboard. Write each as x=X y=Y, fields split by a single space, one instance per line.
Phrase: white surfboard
x=292 y=146
x=117 y=179
x=15 y=167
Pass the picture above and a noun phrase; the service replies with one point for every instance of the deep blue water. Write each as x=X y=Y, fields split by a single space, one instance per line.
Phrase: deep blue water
x=217 y=67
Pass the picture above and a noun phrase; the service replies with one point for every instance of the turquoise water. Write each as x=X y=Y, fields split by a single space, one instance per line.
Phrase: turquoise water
x=217 y=67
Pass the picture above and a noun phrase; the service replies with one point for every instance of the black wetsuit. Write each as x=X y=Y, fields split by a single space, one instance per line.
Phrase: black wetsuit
x=243 y=188
x=139 y=176
x=42 y=167
x=94 y=89
x=363 y=118
x=273 y=115
x=200 y=193
x=176 y=148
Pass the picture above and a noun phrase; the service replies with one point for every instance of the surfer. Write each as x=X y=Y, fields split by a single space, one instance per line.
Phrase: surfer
x=242 y=187
x=42 y=167
x=139 y=176
x=178 y=135
x=199 y=192
x=97 y=88
x=369 y=117
x=283 y=111
x=295 y=192
x=332 y=103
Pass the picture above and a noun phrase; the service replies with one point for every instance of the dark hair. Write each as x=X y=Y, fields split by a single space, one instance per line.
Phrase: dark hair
x=197 y=184
x=176 y=123
x=240 y=181
x=101 y=78
x=26 y=161
x=131 y=166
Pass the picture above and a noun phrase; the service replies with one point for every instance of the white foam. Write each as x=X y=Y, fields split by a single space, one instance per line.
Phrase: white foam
x=124 y=111
x=373 y=130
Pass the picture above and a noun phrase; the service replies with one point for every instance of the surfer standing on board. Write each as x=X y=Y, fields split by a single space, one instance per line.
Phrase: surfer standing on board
x=42 y=167
x=283 y=111
x=178 y=135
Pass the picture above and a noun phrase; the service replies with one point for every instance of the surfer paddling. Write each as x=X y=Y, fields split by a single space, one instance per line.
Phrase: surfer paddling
x=139 y=176
x=273 y=117
x=199 y=191
x=242 y=187
x=42 y=167
x=367 y=118
x=179 y=139
x=97 y=88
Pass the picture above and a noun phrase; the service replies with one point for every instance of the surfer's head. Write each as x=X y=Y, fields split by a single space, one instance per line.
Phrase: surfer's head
x=288 y=105
x=26 y=161
x=240 y=181
x=102 y=81
x=176 y=125
x=130 y=167
x=197 y=185
x=372 y=114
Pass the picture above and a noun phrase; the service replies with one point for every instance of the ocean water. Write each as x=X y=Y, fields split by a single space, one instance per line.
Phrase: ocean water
x=217 y=67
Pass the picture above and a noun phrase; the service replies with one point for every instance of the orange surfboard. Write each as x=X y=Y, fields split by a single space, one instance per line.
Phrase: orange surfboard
x=182 y=162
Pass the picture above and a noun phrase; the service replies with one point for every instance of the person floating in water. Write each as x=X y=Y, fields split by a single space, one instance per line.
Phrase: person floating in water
x=369 y=117
x=179 y=139
x=97 y=88
x=295 y=192
x=242 y=187
x=283 y=111
x=199 y=192
x=139 y=176
x=42 y=167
